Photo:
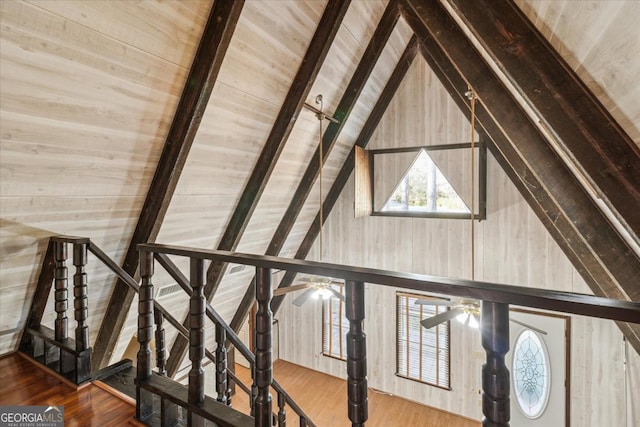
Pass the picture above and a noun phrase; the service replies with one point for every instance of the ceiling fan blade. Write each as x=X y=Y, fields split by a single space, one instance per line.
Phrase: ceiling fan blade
x=336 y=293
x=303 y=297
x=430 y=322
x=526 y=325
x=439 y=302
x=282 y=291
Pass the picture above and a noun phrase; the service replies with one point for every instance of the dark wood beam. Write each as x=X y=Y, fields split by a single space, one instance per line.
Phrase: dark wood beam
x=330 y=200
x=583 y=127
x=345 y=106
x=572 y=218
x=298 y=91
x=195 y=95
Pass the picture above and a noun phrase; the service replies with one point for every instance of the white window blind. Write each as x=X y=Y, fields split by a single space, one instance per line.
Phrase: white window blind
x=422 y=354
x=334 y=326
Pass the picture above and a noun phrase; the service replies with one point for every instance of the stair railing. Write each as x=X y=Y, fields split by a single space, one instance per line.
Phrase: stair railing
x=225 y=333
x=496 y=299
x=72 y=358
x=69 y=357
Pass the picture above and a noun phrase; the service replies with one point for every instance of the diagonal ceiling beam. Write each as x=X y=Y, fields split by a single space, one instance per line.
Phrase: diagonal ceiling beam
x=369 y=127
x=596 y=250
x=203 y=74
x=303 y=81
x=582 y=126
x=349 y=98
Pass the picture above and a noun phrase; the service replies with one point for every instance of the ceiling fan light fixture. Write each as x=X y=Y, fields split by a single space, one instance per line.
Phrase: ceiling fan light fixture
x=468 y=319
x=322 y=292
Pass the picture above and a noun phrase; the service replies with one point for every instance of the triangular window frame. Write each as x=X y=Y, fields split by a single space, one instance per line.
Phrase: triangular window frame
x=375 y=158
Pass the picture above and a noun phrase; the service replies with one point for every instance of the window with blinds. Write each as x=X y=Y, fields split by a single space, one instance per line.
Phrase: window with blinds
x=422 y=354
x=334 y=326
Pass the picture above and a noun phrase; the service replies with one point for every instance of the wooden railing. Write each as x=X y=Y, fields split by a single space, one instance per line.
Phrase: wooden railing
x=69 y=357
x=224 y=336
x=496 y=299
x=72 y=358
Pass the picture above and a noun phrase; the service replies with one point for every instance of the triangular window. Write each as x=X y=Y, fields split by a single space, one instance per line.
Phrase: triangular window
x=424 y=189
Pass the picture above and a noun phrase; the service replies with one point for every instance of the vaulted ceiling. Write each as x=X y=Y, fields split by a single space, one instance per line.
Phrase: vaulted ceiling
x=184 y=123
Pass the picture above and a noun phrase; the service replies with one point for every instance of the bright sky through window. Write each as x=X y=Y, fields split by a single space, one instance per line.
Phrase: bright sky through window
x=425 y=189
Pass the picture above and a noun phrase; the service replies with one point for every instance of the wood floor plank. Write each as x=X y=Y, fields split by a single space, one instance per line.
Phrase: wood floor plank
x=23 y=383
x=324 y=398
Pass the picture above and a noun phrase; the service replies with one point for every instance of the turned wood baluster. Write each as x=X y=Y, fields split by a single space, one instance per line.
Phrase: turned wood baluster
x=161 y=352
x=80 y=302
x=282 y=414
x=168 y=409
x=196 y=339
x=60 y=276
x=254 y=392
x=495 y=375
x=356 y=354
x=144 y=398
x=263 y=371
x=221 y=365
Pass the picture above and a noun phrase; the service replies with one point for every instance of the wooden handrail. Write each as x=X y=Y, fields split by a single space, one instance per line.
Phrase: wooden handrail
x=494 y=329
x=54 y=348
x=183 y=282
x=493 y=294
x=566 y=302
x=47 y=272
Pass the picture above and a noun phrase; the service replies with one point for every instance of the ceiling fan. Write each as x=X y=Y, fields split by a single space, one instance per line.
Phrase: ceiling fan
x=466 y=311
x=315 y=286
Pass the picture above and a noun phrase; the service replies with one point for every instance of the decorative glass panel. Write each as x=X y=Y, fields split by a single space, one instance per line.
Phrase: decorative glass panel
x=531 y=374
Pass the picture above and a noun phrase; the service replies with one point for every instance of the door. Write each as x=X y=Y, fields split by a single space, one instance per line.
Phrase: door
x=539 y=371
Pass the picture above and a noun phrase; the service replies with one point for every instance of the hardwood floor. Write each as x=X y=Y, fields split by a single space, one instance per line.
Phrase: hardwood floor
x=324 y=399
x=322 y=396
x=23 y=383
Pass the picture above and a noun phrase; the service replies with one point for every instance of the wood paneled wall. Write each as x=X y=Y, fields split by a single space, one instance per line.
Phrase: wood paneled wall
x=88 y=90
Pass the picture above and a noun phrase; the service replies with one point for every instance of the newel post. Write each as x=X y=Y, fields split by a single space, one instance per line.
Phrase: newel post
x=356 y=354
x=144 y=398
x=495 y=375
x=263 y=372
x=196 y=339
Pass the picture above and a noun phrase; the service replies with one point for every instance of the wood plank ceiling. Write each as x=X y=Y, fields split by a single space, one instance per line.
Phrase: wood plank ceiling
x=240 y=159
